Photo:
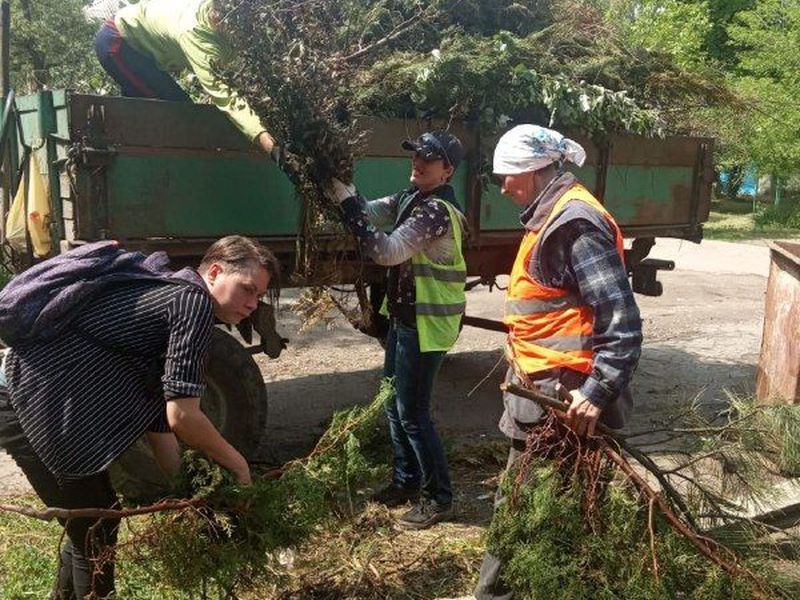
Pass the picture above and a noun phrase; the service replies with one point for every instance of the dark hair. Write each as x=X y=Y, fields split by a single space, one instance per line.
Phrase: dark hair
x=241 y=254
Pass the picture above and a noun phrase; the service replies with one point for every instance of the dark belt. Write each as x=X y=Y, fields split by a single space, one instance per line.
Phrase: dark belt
x=404 y=314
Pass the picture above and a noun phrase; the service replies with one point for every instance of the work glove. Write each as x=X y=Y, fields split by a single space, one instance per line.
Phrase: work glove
x=287 y=161
x=263 y=321
x=337 y=191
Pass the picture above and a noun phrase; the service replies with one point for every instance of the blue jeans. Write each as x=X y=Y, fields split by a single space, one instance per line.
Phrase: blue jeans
x=419 y=458
x=138 y=75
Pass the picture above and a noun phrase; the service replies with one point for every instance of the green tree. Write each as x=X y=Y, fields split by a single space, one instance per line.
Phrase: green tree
x=721 y=14
x=766 y=40
x=678 y=29
x=52 y=47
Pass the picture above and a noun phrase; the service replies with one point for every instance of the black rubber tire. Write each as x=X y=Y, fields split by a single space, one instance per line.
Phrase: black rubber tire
x=236 y=397
x=235 y=401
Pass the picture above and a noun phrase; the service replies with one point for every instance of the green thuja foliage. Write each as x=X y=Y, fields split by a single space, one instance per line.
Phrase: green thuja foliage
x=232 y=540
x=542 y=534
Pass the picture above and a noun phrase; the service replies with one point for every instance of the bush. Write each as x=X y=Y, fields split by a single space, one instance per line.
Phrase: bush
x=786 y=215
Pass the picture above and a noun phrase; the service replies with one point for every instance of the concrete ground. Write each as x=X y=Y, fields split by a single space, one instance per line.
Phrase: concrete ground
x=701 y=337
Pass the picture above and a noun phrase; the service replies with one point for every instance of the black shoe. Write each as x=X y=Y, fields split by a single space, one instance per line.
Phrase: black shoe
x=424 y=514
x=395 y=495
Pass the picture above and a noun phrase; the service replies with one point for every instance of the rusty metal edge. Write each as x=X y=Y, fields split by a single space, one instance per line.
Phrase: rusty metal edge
x=776 y=247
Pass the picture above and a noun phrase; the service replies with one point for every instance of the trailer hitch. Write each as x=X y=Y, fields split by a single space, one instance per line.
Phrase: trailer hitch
x=644 y=274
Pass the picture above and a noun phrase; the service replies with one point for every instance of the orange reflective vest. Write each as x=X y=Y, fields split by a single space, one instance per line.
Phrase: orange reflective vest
x=550 y=327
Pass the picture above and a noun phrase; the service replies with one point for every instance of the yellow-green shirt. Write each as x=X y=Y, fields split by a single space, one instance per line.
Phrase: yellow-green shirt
x=178 y=35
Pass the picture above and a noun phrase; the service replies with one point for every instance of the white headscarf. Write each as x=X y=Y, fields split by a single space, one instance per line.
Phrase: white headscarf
x=531 y=147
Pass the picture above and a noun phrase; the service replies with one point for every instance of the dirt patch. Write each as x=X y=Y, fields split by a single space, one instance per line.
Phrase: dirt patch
x=12 y=481
x=701 y=337
x=372 y=559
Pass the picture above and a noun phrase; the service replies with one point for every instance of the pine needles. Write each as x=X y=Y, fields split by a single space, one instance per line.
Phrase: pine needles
x=311 y=69
x=578 y=522
x=234 y=538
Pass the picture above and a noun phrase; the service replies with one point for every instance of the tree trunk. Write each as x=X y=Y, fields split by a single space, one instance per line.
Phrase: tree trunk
x=776 y=183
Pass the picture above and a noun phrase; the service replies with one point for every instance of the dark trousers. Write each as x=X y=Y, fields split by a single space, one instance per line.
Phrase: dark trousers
x=490 y=584
x=137 y=74
x=419 y=458
x=87 y=559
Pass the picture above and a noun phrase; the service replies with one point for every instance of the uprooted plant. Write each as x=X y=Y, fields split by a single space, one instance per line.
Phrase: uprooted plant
x=580 y=521
x=225 y=537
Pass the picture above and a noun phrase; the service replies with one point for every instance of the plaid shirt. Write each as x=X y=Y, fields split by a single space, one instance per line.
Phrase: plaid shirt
x=578 y=252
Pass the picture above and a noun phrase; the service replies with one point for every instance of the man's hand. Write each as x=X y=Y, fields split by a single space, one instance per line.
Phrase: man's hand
x=266 y=142
x=582 y=415
x=194 y=429
x=286 y=161
x=338 y=191
x=242 y=474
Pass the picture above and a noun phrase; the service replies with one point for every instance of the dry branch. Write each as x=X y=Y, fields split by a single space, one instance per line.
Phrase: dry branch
x=610 y=442
x=619 y=440
x=50 y=513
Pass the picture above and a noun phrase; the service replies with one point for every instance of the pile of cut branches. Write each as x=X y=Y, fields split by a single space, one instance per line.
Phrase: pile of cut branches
x=230 y=537
x=310 y=69
x=580 y=521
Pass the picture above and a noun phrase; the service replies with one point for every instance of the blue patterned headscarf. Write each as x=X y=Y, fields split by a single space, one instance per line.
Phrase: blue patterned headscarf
x=531 y=147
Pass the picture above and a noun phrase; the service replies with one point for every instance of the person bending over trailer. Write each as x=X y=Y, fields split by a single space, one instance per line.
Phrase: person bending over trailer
x=146 y=41
x=425 y=302
x=127 y=359
x=571 y=315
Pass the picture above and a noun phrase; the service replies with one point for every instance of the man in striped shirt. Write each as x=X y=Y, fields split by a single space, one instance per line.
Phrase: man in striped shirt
x=130 y=362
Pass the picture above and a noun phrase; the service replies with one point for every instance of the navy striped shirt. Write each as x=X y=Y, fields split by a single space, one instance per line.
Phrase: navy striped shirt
x=85 y=397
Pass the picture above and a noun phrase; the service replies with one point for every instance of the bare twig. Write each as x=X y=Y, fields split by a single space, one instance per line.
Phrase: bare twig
x=712 y=550
x=50 y=513
x=500 y=361
x=396 y=33
x=651 y=530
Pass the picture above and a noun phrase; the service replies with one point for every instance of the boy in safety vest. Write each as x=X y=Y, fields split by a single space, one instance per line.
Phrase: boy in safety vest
x=424 y=302
x=571 y=315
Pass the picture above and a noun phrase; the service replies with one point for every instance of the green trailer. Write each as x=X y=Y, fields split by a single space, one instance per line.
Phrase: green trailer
x=171 y=176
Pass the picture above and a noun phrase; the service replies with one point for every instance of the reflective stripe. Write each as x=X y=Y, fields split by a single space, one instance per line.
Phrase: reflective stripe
x=532 y=307
x=441 y=310
x=424 y=270
x=565 y=343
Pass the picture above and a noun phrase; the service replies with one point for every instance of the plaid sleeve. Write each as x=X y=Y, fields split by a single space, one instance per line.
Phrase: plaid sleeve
x=597 y=273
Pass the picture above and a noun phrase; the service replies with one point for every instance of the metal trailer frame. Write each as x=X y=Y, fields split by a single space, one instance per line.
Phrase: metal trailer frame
x=153 y=175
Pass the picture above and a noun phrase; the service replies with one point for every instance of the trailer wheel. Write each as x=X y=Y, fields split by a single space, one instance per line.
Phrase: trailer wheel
x=235 y=401
x=236 y=397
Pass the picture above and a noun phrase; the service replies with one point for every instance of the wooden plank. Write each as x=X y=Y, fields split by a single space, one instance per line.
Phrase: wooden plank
x=156 y=123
